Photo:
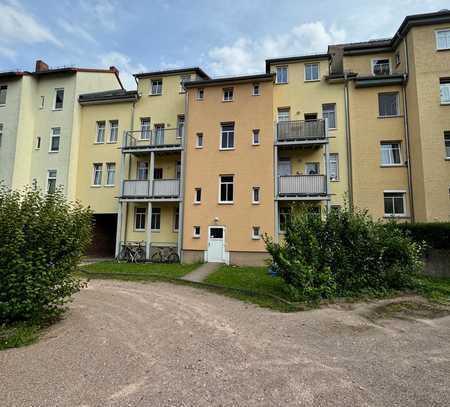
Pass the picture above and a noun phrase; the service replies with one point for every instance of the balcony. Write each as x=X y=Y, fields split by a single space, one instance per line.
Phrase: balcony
x=381 y=69
x=158 y=189
x=159 y=139
x=301 y=132
x=302 y=186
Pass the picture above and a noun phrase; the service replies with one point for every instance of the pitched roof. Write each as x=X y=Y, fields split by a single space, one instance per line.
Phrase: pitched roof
x=229 y=80
x=310 y=57
x=167 y=72
x=115 y=95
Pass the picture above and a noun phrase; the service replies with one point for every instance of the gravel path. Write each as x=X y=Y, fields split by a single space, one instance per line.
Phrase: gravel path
x=132 y=344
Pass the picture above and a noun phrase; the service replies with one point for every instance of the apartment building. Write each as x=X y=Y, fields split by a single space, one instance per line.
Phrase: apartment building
x=39 y=124
x=206 y=166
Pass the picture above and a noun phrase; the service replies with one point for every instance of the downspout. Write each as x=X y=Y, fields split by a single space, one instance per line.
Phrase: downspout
x=348 y=143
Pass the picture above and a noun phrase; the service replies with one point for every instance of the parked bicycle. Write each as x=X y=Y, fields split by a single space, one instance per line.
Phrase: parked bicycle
x=165 y=255
x=133 y=252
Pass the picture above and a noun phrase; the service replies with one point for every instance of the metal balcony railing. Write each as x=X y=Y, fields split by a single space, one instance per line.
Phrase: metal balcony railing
x=158 y=188
x=301 y=130
x=156 y=138
x=290 y=185
x=381 y=69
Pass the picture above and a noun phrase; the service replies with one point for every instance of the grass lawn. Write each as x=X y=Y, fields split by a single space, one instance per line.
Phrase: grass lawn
x=14 y=336
x=434 y=289
x=130 y=271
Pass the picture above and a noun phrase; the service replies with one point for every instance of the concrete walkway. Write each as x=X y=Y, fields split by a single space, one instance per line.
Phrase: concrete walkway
x=199 y=274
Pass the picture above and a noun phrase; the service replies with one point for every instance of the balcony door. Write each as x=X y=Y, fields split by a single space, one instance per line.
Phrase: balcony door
x=159 y=134
x=284 y=167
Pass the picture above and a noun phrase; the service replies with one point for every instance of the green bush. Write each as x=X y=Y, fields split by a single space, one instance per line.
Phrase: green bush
x=343 y=253
x=435 y=234
x=42 y=239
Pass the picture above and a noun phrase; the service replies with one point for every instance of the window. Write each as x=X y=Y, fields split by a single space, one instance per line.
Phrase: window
x=381 y=67
x=228 y=94
x=255 y=195
x=3 y=92
x=38 y=143
x=157 y=173
x=196 y=231
x=51 y=181
x=59 y=99
x=447 y=143
x=256 y=89
x=390 y=154
x=388 y=104
x=443 y=39
x=159 y=134
x=255 y=137
x=256 y=234
x=198 y=195
x=100 y=132
x=55 y=139
x=145 y=128
x=312 y=168
x=333 y=166
x=310 y=116
x=394 y=203
x=156 y=87
x=113 y=131
x=139 y=218
x=178 y=170
x=200 y=94
x=142 y=170
x=110 y=173
x=176 y=219
x=42 y=105
x=226 y=188
x=329 y=112
x=227 y=136
x=282 y=74
x=312 y=72
x=445 y=90
x=199 y=143
x=284 y=218
x=156 y=219
x=397 y=58
x=184 y=78
x=97 y=175
x=180 y=126
x=284 y=114
x=1 y=133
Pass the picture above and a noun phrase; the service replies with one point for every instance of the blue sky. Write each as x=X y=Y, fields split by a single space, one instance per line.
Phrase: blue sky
x=223 y=37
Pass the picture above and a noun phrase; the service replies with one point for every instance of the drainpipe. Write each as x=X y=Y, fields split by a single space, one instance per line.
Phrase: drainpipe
x=327 y=172
x=348 y=143
x=275 y=176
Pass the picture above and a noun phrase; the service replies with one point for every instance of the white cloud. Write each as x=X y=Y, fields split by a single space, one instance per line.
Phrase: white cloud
x=8 y=53
x=103 y=11
x=247 y=56
x=124 y=64
x=76 y=30
x=18 y=26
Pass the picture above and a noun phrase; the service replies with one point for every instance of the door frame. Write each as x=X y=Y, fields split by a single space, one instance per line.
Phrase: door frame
x=224 y=253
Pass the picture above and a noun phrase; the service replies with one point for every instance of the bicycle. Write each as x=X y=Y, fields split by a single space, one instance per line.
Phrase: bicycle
x=133 y=252
x=165 y=255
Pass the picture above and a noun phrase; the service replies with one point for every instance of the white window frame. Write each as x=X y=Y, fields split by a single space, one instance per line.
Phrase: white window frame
x=257 y=235
x=142 y=213
x=397 y=101
x=160 y=87
x=256 y=137
x=228 y=94
x=200 y=94
x=138 y=169
x=318 y=71
x=326 y=112
x=447 y=144
x=54 y=99
x=256 y=86
x=176 y=225
x=52 y=136
x=37 y=146
x=227 y=134
x=51 y=178
x=199 y=140
x=2 y=127
x=256 y=191
x=145 y=128
x=284 y=110
x=437 y=32
x=396 y=215
x=110 y=169
x=444 y=85
x=5 y=89
x=277 y=76
x=196 y=234
x=97 y=168
x=336 y=156
x=111 y=128
x=42 y=105
x=197 y=191
x=100 y=130
x=372 y=64
x=391 y=164
x=226 y=183
x=157 y=212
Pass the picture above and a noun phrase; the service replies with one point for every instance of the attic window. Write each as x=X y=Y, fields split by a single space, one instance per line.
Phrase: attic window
x=381 y=67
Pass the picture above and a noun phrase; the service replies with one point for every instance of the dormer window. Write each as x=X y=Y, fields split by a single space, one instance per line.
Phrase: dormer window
x=381 y=67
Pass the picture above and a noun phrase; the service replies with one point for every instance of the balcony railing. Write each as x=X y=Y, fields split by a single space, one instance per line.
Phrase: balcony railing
x=381 y=69
x=156 y=138
x=158 y=188
x=301 y=131
x=298 y=185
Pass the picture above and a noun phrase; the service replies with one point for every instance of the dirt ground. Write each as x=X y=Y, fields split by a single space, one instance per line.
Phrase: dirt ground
x=131 y=344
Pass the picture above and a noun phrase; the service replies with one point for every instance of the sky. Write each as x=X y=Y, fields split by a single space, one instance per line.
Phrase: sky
x=223 y=37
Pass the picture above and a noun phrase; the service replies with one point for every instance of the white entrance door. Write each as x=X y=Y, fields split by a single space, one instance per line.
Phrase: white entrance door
x=284 y=167
x=216 y=244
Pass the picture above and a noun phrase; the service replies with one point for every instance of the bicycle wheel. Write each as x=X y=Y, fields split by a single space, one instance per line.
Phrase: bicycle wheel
x=139 y=255
x=156 y=257
x=173 y=258
x=129 y=255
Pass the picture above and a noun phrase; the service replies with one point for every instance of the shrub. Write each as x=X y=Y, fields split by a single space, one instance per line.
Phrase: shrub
x=343 y=253
x=41 y=242
x=435 y=234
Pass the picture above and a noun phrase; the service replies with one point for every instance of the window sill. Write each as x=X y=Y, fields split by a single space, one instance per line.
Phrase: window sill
x=196 y=202
x=256 y=202
x=281 y=83
x=332 y=128
x=387 y=216
x=256 y=95
x=442 y=49
x=256 y=144
x=2 y=105
x=109 y=186
x=226 y=202
x=53 y=152
x=99 y=142
x=256 y=238
x=96 y=186
x=227 y=101
x=389 y=117
x=155 y=230
x=227 y=149
x=138 y=230
x=447 y=158
x=335 y=180
x=155 y=94
x=111 y=142
x=392 y=165
x=195 y=237
x=198 y=147
x=199 y=100
x=312 y=80
x=57 y=110
x=445 y=103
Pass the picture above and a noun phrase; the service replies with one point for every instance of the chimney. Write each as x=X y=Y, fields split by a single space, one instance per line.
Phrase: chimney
x=41 y=66
x=337 y=59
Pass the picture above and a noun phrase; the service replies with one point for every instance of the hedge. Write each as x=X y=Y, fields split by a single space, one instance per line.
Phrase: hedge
x=435 y=234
